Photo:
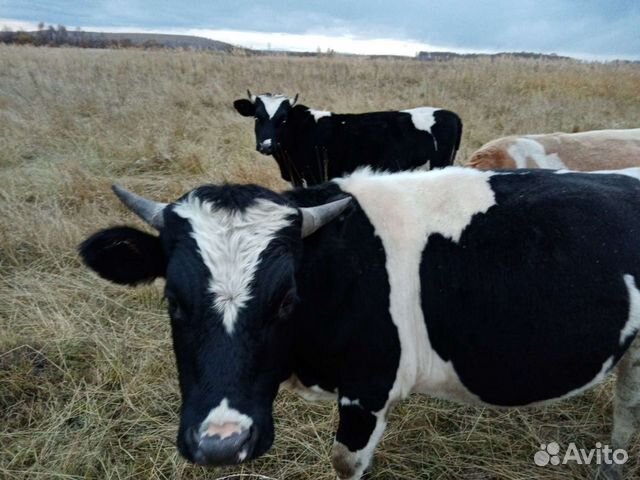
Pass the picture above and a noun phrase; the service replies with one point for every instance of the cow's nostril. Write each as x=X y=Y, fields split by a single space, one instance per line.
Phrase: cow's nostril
x=221 y=448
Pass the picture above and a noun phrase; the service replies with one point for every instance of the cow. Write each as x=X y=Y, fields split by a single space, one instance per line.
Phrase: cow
x=505 y=289
x=311 y=146
x=584 y=151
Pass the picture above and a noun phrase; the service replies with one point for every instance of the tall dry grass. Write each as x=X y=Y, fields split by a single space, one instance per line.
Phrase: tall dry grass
x=87 y=378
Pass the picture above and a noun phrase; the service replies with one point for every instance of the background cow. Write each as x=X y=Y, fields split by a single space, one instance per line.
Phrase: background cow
x=586 y=151
x=312 y=146
x=367 y=288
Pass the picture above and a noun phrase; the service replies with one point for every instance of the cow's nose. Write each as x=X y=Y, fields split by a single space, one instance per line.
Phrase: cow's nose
x=224 y=444
x=265 y=147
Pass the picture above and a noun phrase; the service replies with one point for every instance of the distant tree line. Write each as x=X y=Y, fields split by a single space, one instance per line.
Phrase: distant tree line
x=60 y=36
x=435 y=56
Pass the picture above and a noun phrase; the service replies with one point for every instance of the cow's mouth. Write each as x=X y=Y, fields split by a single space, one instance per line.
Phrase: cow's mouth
x=214 y=450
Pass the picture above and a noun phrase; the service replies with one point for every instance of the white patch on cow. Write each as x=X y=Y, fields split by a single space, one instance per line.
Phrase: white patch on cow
x=633 y=322
x=267 y=142
x=346 y=402
x=313 y=393
x=405 y=209
x=224 y=414
x=318 y=114
x=230 y=243
x=525 y=149
x=359 y=460
x=272 y=103
x=423 y=118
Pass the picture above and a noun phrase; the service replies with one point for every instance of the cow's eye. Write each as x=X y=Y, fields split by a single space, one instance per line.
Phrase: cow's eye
x=174 y=308
x=287 y=304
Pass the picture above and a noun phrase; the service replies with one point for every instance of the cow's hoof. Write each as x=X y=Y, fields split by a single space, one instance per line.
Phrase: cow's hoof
x=345 y=463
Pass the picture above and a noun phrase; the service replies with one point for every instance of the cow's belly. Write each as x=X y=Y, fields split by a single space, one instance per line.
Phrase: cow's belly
x=440 y=380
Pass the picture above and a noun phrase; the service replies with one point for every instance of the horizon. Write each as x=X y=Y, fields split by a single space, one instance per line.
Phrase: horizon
x=585 y=30
x=303 y=43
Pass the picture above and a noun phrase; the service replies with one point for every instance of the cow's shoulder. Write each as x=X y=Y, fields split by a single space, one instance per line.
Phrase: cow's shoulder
x=406 y=207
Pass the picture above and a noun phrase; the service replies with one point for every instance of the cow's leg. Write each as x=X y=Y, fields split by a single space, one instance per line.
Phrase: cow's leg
x=359 y=432
x=626 y=406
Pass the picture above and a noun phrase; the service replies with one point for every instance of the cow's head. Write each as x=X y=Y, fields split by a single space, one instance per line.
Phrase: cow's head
x=229 y=255
x=270 y=111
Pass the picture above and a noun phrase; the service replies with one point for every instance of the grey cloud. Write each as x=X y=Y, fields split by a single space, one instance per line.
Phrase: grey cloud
x=581 y=26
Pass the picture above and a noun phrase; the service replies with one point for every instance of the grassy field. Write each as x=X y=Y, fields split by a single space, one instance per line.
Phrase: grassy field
x=88 y=387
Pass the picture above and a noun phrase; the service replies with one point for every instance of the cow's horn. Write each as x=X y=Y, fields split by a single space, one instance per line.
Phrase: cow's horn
x=147 y=210
x=315 y=217
x=295 y=99
x=249 y=94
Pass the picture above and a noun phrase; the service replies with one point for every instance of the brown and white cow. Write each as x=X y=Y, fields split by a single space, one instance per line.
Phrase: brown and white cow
x=586 y=151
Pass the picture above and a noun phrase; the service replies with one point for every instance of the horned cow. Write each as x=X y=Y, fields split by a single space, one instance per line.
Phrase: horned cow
x=311 y=146
x=365 y=289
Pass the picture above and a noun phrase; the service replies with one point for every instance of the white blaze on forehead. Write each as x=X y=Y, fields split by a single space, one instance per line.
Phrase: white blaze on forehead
x=527 y=149
x=230 y=243
x=318 y=114
x=423 y=117
x=272 y=103
x=633 y=322
x=405 y=209
x=223 y=418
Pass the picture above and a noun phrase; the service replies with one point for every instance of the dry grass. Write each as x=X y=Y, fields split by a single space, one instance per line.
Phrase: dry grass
x=88 y=387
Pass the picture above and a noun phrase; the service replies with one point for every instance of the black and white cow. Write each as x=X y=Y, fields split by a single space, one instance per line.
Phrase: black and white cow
x=506 y=289
x=312 y=146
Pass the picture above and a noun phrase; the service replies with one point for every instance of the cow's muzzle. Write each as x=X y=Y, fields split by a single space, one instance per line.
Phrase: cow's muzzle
x=265 y=147
x=227 y=446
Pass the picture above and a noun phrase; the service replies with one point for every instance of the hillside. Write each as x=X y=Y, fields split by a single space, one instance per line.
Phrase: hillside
x=77 y=38
x=162 y=40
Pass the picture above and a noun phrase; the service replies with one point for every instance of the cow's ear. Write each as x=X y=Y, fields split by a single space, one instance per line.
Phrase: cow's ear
x=245 y=107
x=124 y=255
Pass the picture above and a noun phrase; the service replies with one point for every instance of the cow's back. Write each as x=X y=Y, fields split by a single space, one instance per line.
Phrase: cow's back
x=337 y=144
x=596 y=150
x=584 y=151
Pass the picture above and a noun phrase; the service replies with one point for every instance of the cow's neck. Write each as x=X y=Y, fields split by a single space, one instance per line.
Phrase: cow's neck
x=288 y=141
x=344 y=293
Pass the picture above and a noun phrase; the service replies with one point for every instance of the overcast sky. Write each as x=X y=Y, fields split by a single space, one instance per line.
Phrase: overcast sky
x=599 y=29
